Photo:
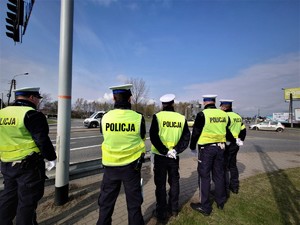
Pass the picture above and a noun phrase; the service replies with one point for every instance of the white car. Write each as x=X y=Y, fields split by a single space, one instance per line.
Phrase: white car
x=94 y=120
x=268 y=125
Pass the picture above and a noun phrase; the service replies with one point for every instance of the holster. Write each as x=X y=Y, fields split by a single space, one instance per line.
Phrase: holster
x=31 y=161
x=140 y=162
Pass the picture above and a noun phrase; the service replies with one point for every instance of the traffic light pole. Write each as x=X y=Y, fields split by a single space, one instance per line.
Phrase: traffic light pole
x=64 y=103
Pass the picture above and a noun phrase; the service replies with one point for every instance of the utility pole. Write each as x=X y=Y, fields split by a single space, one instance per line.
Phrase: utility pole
x=13 y=84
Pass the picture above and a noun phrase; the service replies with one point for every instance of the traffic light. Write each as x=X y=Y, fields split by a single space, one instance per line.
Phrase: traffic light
x=14 y=19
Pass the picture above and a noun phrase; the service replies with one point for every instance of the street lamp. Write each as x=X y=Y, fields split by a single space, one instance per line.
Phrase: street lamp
x=13 y=84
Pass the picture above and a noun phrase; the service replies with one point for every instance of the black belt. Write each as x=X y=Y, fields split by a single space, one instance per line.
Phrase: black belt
x=207 y=145
x=219 y=144
x=13 y=163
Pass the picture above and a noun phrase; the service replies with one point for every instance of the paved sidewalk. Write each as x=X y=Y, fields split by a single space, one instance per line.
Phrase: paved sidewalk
x=82 y=208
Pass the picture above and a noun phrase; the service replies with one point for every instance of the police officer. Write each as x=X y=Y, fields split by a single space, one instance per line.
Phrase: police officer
x=209 y=132
x=24 y=144
x=170 y=135
x=122 y=151
x=238 y=131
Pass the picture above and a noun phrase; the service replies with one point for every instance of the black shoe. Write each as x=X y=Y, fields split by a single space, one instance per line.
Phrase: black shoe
x=174 y=213
x=159 y=218
x=197 y=207
x=234 y=190
x=221 y=206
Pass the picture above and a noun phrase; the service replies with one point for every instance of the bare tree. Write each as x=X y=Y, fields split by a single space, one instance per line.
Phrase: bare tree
x=45 y=100
x=78 y=106
x=139 y=91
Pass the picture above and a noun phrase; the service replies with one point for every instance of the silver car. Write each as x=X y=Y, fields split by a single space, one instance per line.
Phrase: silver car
x=268 y=125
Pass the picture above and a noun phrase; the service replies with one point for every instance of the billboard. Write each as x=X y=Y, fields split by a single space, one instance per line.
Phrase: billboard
x=281 y=117
x=294 y=91
x=297 y=114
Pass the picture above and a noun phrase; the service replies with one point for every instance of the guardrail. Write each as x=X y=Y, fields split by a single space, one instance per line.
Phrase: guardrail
x=76 y=170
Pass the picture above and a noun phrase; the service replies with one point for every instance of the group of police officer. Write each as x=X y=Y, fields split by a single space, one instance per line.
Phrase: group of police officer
x=217 y=132
x=24 y=144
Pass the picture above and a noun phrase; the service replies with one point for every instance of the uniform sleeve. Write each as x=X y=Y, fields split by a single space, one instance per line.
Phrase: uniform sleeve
x=143 y=128
x=229 y=136
x=197 y=130
x=242 y=134
x=184 y=140
x=36 y=124
x=154 y=137
x=100 y=128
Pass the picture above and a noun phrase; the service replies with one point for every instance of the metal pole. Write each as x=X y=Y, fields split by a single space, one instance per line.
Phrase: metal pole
x=64 y=103
x=1 y=100
x=9 y=93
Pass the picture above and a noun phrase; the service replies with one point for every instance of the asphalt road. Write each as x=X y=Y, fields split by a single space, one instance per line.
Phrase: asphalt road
x=85 y=143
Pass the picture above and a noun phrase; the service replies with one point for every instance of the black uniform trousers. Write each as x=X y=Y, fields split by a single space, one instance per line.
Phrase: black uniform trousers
x=211 y=161
x=113 y=177
x=163 y=167
x=23 y=188
x=231 y=170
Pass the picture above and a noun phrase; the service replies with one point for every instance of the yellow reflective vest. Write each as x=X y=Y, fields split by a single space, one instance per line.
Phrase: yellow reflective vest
x=170 y=125
x=15 y=140
x=236 y=124
x=214 y=130
x=122 y=140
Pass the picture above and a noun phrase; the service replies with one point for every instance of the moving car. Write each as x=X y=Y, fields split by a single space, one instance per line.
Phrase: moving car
x=94 y=120
x=268 y=125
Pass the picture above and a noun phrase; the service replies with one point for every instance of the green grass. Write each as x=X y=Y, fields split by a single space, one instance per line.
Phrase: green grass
x=271 y=199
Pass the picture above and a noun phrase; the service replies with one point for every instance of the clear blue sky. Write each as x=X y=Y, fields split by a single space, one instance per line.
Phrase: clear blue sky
x=246 y=50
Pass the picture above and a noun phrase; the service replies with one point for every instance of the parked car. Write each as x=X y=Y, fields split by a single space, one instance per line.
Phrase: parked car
x=268 y=125
x=94 y=120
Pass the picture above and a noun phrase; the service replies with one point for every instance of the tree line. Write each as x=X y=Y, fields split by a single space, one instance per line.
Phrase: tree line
x=83 y=108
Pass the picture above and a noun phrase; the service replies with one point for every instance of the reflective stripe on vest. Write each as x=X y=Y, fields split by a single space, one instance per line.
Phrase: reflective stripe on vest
x=214 y=129
x=170 y=126
x=15 y=140
x=235 y=123
x=122 y=140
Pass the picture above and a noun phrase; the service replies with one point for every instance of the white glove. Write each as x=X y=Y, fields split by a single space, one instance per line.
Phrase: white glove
x=50 y=165
x=239 y=142
x=172 y=154
x=194 y=153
